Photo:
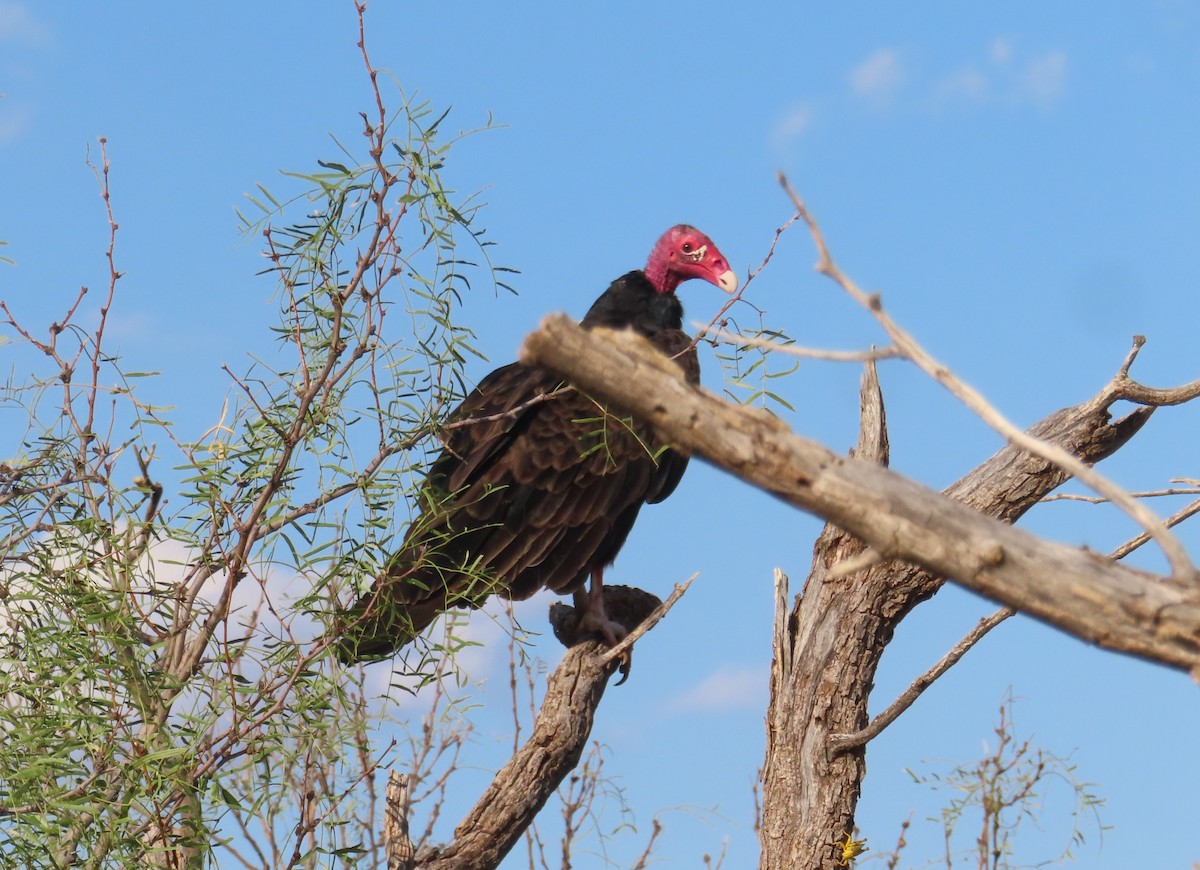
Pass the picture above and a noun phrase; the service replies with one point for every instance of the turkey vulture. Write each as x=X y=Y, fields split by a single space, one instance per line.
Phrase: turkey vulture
x=538 y=485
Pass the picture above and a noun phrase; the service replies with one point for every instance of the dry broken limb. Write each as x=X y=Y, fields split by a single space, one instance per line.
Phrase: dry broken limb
x=1081 y=592
x=762 y=342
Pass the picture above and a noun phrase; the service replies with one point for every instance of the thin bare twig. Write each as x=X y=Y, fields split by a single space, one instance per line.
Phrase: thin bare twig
x=511 y=412
x=756 y=341
x=1094 y=499
x=1181 y=566
x=1175 y=519
x=840 y=743
x=704 y=331
x=643 y=860
x=650 y=621
x=868 y=558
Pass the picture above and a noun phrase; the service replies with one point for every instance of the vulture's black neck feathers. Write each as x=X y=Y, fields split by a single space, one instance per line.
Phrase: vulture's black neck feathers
x=631 y=301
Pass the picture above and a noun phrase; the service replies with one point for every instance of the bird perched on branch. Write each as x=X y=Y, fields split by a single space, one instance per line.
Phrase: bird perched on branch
x=538 y=485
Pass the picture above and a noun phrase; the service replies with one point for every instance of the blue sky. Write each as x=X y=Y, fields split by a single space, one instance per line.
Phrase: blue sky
x=1020 y=182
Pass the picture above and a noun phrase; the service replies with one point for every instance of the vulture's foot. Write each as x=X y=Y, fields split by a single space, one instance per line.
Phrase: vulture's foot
x=594 y=617
x=624 y=608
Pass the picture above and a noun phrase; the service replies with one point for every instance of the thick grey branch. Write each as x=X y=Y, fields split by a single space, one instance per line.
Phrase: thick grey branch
x=1081 y=592
x=909 y=348
x=521 y=788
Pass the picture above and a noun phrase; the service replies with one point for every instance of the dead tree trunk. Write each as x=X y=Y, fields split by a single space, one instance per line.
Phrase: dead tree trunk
x=829 y=641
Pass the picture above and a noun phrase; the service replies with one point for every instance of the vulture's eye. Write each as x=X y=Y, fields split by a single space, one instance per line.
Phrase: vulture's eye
x=687 y=247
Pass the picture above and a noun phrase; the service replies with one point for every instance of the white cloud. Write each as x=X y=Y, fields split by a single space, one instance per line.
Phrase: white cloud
x=481 y=637
x=967 y=84
x=999 y=79
x=794 y=124
x=15 y=119
x=1044 y=80
x=18 y=25
x=726 y=688
x=1000 y=51
x=880 y=76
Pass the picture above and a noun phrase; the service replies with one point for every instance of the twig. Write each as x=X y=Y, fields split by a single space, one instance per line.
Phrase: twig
x=1124 y=387
x=840 y=743
x=1175 y=519
x=1181 y=566
x=649 y=622
x=1093 y=499
x=805 y=352
x=643 y=860
x=83 y=788
x=859 y=562
x=704 y=331
x=511 y=412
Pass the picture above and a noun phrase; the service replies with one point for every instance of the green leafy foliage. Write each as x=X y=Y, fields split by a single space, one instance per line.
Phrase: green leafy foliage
x=164 y=599
x=751 y=367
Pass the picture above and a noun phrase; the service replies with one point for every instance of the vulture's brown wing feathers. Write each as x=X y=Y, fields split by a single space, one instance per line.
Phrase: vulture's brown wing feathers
x=538 y=486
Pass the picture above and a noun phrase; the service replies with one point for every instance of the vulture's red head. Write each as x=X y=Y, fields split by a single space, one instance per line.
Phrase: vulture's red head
x=684 y=252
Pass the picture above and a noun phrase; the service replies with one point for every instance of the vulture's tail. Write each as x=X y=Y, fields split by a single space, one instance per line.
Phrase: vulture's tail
x=376 y=628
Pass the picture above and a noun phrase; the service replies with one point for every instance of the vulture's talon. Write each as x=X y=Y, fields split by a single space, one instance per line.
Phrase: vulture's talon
x=598 y=624
x=625 y=667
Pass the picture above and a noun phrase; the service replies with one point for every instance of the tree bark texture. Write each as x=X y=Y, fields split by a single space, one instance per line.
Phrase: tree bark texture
x=525 y=783
x=829 y=641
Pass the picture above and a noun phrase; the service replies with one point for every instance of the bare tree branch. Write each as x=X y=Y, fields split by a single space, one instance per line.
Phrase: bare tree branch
x=650 y=621
x=1120 y=608
x=1175 y=519
x=909 y=348
x=828 y=644
x=759 y=341
x=560 y=734
x=524 y=784
x=845 y=742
